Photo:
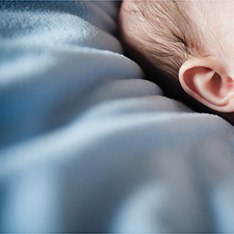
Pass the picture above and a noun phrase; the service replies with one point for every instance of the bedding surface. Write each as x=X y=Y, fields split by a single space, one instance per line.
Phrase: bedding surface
x=87 y=144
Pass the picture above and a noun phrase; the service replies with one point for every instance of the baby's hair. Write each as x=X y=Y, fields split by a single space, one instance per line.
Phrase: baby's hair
x=162 y=31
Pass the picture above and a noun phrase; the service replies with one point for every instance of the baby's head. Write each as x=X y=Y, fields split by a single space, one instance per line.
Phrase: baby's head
x=190 y=42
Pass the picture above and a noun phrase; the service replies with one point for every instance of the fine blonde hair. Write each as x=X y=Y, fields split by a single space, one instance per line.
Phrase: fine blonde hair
x=162 y=31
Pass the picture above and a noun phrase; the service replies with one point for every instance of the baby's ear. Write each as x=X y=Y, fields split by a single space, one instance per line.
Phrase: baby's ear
x=206 y=81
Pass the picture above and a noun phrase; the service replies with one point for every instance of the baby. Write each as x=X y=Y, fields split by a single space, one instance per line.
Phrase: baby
x=190 y=42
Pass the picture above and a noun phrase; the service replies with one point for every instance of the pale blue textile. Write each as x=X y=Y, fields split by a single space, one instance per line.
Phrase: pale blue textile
x=88 y=145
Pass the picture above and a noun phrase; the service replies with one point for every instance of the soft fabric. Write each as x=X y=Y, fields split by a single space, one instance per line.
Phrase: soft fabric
x=88 y=144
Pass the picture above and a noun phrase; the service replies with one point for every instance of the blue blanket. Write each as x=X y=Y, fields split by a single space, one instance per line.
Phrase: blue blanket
x=87 y=144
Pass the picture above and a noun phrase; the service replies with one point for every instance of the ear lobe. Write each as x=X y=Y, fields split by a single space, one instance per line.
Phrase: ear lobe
x=203 y=80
